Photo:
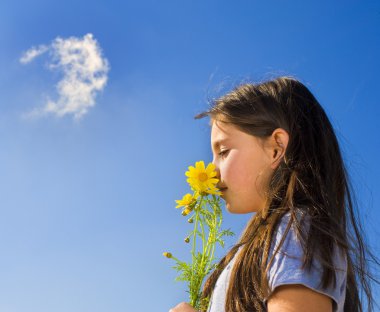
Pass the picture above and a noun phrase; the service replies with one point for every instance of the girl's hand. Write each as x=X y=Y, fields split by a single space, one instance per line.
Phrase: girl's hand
x=183 y=307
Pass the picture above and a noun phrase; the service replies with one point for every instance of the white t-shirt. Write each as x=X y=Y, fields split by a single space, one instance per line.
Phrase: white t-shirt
x=286 y=269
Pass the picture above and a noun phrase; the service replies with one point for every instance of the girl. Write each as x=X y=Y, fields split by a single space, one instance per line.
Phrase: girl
x=277 y=155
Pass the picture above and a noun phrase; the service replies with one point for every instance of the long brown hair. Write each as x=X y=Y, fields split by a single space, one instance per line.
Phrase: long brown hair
x=311 y=177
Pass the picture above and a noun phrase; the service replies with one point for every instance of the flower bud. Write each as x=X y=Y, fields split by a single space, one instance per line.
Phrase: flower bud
x=187 y=240
x=193 y=203
x=186 y=211
x=191 y=220
x=167 y=254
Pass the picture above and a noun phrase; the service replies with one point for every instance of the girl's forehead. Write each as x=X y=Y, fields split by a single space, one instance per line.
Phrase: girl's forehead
x=222 y=132
x=222 y=128
x=219 y=132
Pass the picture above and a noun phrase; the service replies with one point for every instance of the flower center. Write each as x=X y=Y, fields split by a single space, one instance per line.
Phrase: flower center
x=203 y=176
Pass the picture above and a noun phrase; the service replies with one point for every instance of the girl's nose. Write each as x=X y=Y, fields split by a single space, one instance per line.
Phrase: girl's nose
x=216 y=169
x=217 y=173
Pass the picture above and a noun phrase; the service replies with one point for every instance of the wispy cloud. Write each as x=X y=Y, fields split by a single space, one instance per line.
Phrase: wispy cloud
x=84 y=72
x=32 y=53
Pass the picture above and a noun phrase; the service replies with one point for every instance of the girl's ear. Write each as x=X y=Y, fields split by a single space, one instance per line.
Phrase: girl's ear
x=279 y=142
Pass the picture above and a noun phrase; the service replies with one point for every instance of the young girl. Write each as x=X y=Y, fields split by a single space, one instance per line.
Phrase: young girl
x=277 y=155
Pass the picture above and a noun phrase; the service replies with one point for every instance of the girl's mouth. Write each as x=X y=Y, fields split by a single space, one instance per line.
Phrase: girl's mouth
x=223 y=190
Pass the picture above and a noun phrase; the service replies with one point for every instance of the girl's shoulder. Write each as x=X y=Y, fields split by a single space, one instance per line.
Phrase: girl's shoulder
x=287 y=263
x=303 y=219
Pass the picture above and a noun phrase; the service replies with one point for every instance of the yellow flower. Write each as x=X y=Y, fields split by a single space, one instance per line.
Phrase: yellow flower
x=187 y=200
x=214 y=190
x=167 y=254
x=203 y=179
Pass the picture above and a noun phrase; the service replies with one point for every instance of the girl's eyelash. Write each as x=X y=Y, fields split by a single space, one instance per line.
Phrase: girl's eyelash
x=222 y=153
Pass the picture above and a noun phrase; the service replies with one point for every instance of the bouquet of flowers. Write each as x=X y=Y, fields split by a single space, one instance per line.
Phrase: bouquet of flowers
x=203 y=208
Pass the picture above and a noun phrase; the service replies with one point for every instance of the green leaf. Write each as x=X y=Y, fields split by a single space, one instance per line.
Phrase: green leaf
x=226 y=233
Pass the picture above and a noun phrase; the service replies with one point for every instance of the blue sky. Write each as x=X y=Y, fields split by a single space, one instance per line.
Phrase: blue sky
x=87 y=205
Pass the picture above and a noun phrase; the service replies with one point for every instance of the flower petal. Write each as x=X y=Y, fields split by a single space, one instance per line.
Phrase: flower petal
x=200 y=165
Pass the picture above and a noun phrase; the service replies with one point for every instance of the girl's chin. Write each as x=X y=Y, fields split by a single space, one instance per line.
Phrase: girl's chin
x=231 y=208
x=228 y=206
x=236 y=210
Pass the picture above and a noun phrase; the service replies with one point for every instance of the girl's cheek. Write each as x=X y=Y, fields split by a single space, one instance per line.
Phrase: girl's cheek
x=231 y=169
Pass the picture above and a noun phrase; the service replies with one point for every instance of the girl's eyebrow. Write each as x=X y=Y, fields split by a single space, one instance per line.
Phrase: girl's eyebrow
x=218 y=142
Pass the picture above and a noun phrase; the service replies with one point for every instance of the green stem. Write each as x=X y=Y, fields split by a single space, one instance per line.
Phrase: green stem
x=212 y=235
x=203 y=241
x=194 y=296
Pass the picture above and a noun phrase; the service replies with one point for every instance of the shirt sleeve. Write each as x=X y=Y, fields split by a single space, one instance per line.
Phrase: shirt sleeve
x=286 y=266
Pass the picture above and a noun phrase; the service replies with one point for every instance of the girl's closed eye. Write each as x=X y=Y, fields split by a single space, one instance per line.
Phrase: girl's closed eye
x=223 y=153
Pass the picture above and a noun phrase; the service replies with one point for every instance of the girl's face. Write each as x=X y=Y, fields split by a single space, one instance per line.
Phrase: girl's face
x=243 y=167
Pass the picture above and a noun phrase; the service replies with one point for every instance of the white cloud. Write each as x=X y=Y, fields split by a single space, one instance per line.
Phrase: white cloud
x=84 y=74
x=32 y=53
